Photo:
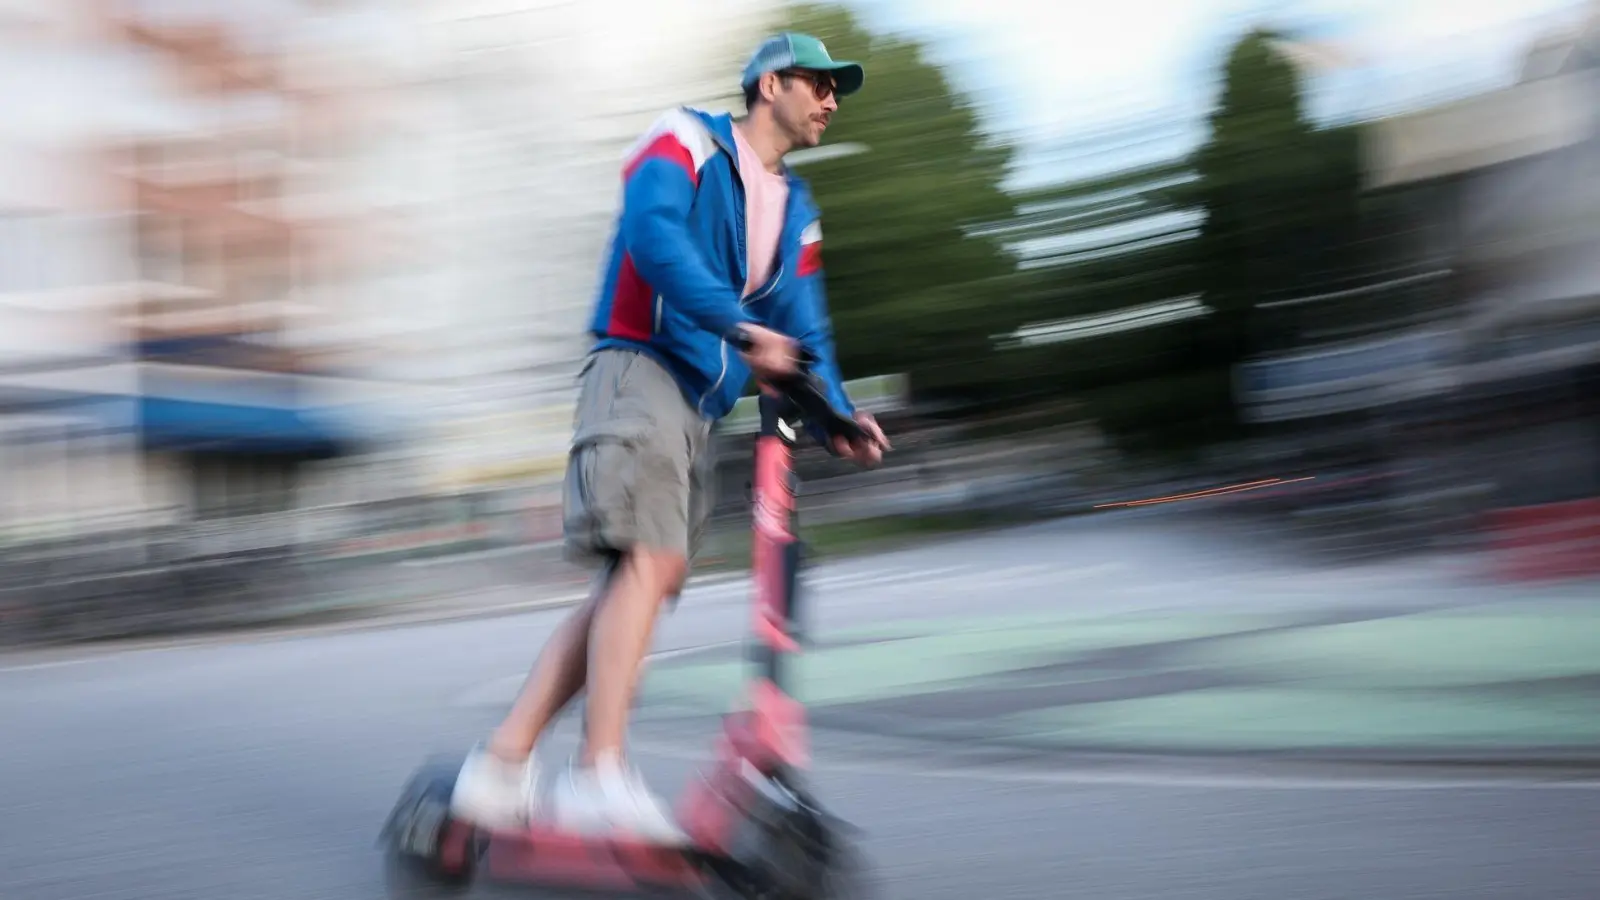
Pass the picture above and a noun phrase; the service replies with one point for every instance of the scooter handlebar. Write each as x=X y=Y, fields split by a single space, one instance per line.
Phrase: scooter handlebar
x=805 y=391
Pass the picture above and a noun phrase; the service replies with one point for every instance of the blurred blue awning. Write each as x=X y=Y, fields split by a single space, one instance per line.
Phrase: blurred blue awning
x=193 y=425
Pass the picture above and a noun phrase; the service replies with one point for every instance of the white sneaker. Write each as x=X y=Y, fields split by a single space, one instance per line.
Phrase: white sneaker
x=493 y=793
x=612 y=799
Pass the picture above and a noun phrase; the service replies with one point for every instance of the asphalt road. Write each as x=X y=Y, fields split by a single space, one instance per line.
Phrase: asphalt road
x=262 y=767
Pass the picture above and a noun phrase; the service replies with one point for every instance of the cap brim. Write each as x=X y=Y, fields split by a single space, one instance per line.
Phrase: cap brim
x=848 y=77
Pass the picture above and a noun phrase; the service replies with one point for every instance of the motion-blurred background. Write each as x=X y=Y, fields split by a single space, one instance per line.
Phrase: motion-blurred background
x=1240 y=357
x=292 y=291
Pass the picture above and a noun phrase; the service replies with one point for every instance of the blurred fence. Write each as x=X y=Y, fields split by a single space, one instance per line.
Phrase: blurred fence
x=99 y=583
x=109 y=580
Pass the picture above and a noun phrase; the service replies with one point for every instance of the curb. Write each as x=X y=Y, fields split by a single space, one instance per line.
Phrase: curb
x=425 y=617
x=877 y=755
x=328 y=622
x=346 y=620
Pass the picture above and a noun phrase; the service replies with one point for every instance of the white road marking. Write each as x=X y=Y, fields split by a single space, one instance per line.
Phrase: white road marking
x=503 y=690
x=869 y=580
x=947 y=576
x=63 y=663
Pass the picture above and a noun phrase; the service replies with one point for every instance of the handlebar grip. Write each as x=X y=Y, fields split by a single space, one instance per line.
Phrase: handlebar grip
x=806 y=391
x=739 y=339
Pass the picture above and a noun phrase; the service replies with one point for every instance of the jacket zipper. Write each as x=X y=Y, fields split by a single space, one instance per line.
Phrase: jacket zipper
x=738 y=183
x=772 y=285
x=722 y=347
x=722 y=344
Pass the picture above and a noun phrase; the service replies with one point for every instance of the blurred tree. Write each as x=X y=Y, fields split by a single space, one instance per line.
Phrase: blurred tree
x=1104 y=245
x=922 y=242
x=913 y=285
x=1280 y=197
x=1281 y=200
x=1268 y=208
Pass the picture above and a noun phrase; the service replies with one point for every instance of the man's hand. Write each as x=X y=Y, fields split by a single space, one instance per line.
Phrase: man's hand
x=867 y=452
x=770 y=354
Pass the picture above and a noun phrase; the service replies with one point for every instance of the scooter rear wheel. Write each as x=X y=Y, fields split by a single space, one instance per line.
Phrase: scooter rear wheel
x=427 y=853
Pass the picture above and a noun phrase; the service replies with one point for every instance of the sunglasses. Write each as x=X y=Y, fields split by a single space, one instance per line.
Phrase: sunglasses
x=823 y=86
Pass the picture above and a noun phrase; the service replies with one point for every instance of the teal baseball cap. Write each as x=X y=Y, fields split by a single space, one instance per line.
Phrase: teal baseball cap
x=793 y=50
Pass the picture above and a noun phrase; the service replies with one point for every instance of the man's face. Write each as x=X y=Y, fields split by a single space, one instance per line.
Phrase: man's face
x=802 y=104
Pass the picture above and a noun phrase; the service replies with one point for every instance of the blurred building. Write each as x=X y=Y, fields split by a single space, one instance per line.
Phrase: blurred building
x=280 y=253
x=1470 y=358
x=543 y=99
x=187 y=264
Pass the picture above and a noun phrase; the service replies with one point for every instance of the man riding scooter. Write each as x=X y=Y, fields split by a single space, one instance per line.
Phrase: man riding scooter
x=714 y=275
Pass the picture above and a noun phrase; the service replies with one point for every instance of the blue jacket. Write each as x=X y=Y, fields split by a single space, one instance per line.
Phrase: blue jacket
x=676 y=267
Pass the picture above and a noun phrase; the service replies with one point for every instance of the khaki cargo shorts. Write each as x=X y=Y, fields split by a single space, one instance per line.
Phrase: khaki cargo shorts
x=640 y=469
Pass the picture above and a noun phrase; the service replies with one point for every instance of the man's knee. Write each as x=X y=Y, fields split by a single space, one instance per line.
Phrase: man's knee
x=662 y=571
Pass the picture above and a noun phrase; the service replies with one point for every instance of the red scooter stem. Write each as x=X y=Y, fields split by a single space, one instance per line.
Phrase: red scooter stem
x=773 y=549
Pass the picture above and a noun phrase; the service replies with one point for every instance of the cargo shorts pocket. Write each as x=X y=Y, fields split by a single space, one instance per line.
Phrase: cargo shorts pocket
x=597 y=495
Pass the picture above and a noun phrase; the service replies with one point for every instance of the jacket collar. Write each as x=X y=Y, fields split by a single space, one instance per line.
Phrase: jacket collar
x=720 y=125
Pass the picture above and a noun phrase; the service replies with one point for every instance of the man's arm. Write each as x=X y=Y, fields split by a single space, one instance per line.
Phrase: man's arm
x=658 y=190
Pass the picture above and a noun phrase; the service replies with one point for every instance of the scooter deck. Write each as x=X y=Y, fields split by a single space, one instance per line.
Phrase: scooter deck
x=544 y=854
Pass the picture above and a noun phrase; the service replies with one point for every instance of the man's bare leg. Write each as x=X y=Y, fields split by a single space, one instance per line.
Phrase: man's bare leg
x=557 y=677
x=602 y=793
x=618 y=641
x=498 y=785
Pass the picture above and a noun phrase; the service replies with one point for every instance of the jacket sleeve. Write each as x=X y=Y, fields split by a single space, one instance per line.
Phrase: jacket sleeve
x=658 y=189
x=801 y=311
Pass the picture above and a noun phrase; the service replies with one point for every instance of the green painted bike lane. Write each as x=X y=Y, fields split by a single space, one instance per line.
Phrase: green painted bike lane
x=1512 y=680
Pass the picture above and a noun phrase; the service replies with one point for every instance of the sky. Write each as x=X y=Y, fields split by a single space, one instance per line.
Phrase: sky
x=1056 y=74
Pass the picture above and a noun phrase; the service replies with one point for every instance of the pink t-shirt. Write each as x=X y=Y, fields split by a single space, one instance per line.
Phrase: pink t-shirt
x=766 y=198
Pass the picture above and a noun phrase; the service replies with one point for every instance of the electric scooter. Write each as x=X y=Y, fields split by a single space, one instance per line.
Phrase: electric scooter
x=755 y=830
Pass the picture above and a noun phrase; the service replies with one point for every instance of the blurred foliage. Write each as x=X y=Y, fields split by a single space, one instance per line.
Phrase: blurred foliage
x=909 y=290
x=1281 y=198
x=922 y=244
x=1267 y=208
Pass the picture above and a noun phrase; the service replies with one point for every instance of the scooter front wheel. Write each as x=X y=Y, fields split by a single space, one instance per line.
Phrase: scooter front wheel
x=786 y=847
